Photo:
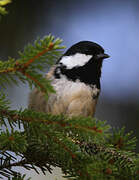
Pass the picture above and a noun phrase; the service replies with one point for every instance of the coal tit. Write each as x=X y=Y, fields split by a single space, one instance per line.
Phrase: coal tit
x=76 y=80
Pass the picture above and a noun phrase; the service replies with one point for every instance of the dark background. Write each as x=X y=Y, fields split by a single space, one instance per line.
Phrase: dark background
x=112 y=24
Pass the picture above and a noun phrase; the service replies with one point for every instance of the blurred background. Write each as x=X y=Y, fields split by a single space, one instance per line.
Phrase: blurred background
x=112 y=24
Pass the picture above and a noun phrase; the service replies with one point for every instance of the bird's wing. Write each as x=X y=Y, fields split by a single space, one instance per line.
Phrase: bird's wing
x=37 y=100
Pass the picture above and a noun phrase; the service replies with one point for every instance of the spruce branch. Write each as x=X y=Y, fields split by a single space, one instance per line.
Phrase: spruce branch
x=74 y=157
x=22 y=67
x=55 y=126
x=33 y=60
x=48 y=119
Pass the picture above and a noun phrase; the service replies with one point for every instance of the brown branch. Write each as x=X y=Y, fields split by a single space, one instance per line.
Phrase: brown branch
x=92 y=147
x=56 y=140
x=16 y=117
x=74 y=157
x=96 y=147
x=62 y=144
x=35 y=80
x=22 y=67
x=30 y=61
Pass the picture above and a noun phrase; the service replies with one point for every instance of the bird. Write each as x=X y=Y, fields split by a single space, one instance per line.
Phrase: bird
x=75 y=78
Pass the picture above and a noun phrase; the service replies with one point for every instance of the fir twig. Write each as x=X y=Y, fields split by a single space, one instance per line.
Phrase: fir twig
x=88 y=146
x=35 y=58
x=22 y=67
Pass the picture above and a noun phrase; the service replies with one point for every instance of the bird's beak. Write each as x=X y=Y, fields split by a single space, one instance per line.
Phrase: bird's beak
x=102 y=56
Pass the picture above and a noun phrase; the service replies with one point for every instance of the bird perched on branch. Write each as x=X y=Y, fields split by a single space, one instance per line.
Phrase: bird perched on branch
x=76 y=80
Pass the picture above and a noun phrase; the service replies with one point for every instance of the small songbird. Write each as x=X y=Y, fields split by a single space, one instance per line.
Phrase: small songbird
x=76 y=80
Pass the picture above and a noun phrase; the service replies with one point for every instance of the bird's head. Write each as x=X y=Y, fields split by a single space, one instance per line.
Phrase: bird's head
x=83 y=62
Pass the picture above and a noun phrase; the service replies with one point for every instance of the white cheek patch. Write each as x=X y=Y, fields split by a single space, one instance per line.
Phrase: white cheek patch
x=75 y=60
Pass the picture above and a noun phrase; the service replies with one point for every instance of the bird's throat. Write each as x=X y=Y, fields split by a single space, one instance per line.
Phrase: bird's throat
x=89 y=74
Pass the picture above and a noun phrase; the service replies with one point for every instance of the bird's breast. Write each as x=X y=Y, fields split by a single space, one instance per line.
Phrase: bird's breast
x=69 y=90
x=73 y=98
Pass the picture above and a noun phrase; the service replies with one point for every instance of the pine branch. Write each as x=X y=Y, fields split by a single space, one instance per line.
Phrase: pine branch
x=113 y=155
x=48 y=119
x=22 y=67
x=55 y=139
x=55 y=126
x=34 y=59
